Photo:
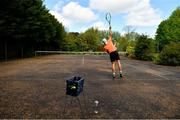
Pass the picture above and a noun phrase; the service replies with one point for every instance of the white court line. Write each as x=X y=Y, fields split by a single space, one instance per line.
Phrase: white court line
x=83 y=60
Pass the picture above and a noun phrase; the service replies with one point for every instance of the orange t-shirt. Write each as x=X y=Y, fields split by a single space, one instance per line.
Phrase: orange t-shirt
x=110 y=47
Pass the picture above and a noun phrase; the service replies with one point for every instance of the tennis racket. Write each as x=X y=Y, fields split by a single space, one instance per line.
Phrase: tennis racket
x=108 y=19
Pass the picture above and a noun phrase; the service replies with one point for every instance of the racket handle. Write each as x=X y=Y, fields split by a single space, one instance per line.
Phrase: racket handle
x=110 y=31
x=110 y=28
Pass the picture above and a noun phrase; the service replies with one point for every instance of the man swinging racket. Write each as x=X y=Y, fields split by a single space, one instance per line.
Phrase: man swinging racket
x=111 y=49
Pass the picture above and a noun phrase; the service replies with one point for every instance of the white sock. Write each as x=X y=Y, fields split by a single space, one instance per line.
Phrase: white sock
x=114 y=73
x=120 y=72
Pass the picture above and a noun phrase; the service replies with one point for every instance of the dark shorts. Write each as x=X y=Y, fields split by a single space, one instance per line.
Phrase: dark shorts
x=114 y=56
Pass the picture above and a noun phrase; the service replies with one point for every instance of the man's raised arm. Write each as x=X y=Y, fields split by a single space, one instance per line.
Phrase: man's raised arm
x=110 y=33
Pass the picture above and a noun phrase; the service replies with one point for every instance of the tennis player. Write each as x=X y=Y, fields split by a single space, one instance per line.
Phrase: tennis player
x=111 y=49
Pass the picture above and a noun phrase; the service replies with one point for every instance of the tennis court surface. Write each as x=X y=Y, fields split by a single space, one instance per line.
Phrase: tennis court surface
x=35 y=88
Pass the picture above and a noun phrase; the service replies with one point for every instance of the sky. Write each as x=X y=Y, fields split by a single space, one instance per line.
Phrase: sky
x=143 y=15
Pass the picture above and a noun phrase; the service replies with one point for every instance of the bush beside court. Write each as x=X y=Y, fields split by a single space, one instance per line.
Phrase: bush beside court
x=170 y=55
x=164 y=49
x=143 y=48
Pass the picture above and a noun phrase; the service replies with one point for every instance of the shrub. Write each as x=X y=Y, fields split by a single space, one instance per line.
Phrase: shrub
x=143 y=48
x=170 y=55
x=155 y=57
x=130 y=51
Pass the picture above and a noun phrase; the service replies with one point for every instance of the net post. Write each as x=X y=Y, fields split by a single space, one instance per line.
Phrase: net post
x=35 y=53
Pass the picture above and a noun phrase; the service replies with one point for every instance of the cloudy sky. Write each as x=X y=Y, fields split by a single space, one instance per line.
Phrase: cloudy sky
x=145 y=15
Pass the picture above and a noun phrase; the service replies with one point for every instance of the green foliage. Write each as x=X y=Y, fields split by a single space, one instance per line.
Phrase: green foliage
x=130 y=51
x=168 y=39
x=87 y=41
x=143 y=48
x=69 y=44
x=170 y=55
x=127 y=40
x=175 y=14
x=91 y=38
x=131 y=36
x=169 y=30
x=105 y=33
x=123 y=43
x=27 y=25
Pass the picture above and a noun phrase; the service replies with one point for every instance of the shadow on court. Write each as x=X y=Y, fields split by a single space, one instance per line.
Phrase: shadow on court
x=35 y=88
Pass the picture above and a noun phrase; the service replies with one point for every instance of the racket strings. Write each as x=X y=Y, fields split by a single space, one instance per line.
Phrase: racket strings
x=108 y=19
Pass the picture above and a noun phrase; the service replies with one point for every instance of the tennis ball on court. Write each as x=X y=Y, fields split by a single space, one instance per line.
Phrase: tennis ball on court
x=96 y=102
x=96 y=112
x=73 y=87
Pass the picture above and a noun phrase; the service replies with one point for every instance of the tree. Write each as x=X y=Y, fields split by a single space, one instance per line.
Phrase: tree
x=91 y=38
x=143 y=48
x=169 y=30
x=122 y=44
x=72 y=42
x=26 y=25
x=130 y=32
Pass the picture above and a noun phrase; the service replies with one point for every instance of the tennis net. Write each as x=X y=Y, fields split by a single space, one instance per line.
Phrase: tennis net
x=40 y=53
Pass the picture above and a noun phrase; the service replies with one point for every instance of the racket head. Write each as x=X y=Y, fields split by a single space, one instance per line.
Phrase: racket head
x=108 y=18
